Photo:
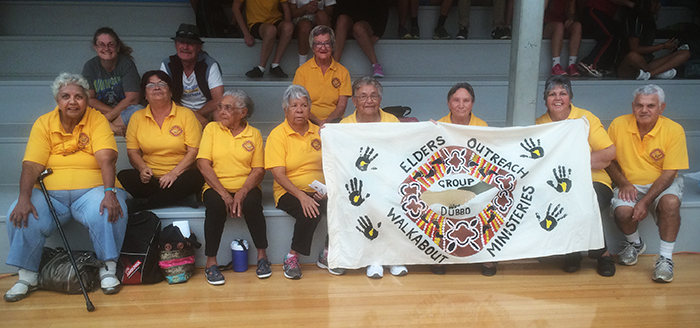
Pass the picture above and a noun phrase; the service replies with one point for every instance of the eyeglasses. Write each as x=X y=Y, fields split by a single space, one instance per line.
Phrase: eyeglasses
x=227 y=108
x=320 y=45
x=373 y=97
x=160 y=84
x=110 y=45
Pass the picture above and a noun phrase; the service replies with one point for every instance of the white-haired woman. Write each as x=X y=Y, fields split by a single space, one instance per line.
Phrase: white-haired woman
x=293 y=154
x=327 y=81
x=231 y=160
x=76 y=142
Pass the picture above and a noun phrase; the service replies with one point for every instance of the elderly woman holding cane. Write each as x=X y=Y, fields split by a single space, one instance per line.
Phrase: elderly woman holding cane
x=231 y=160
x=77 y=143
x=293 y=154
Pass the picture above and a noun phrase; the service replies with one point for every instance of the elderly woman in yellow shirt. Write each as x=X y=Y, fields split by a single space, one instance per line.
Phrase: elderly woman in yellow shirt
x=161 y=141
x=76 y=142
x=293 y=154
x=557 y=96
x=231 y=160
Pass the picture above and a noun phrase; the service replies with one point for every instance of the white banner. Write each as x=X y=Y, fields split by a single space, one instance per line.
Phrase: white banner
x=425 y=193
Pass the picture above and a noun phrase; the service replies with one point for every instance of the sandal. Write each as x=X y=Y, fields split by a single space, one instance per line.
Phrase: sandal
x=16 y=297
x=112 y=289
x=214 y=276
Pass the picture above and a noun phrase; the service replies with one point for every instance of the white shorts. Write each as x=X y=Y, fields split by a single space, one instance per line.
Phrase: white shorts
x=676 y=188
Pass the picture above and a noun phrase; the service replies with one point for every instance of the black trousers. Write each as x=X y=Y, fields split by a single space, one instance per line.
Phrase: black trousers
x=188 y=183
x=605 y=31
x=304 y=227
x=604 y=194
x=215 y=219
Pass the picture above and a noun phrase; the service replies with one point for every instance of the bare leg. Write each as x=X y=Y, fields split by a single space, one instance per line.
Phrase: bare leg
x=444 y=7
x=668 y=62
x=303 y=31
x=262 y=254
x=322 y=18
x=555 y=31
x=623 y=219
x=362 y=32
x=342 y=28
x=669 y=215
x=268 y=33
x=284 y=31
x=574 y=33
x=630 y=66
x=402 y=8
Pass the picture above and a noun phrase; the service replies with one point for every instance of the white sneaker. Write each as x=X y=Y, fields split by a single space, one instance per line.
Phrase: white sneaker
x=398 y=270
x=643 y=75
x=667 y=75
x=375 y=271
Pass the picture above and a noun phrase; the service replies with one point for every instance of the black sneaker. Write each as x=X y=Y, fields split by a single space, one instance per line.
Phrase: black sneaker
x=507 y=33
x=264 y=270
x=497 y=33
x=403 y=33
x=278 y=72
x=415 y=32
x=606 y=266
x=462 y=34
x=440 y=33
x=254 y=73
x=572 y=262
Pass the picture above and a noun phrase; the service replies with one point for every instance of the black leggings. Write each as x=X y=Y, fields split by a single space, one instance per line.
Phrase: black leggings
x=216 y=214
x=605 y=30
x=304 y=227
x=188 y=183
x=604 y=194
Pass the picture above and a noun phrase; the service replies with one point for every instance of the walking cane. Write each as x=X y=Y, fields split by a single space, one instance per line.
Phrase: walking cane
x=43 y=175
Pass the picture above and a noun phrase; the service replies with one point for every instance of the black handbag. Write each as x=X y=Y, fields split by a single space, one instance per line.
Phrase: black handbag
x=56 y=272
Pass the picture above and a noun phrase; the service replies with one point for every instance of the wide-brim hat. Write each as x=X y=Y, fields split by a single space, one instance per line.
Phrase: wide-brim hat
x=188 y=33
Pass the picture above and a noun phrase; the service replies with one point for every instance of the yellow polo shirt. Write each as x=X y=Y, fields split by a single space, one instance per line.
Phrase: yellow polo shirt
x=324 y=89
x=232 y=157
x=299 y=155
x=597 y=138
x=163 y=147
x=384 y=118
x=262 y=11
x=663 y=148
x=473 y=120
x=70 y=155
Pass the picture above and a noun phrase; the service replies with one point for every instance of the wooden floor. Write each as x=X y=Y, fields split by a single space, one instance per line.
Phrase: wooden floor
x=522 y=294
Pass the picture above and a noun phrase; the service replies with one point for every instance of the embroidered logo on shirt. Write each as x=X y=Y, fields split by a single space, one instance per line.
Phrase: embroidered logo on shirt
x=657 y=154
x=83 y=140
x=175 y=131
x=248 y=146
x=316 y=143
x=336 y=82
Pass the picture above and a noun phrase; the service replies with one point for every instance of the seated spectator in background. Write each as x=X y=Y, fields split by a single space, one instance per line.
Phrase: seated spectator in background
x=364 y=20
x=367 y=98
x=327 y=81
x=557 y=97
x=293 y=154
x=266 y=23
x=650 y=150
x=113 y=79
x=161 y=142
x=460 y=100
x=559 y=22
x=637 y=46
x=305 y=15
x=231 y=160
x=404 y=6
x=196 y=76
x=598 y=22
x=212 y=20
x=82 y=186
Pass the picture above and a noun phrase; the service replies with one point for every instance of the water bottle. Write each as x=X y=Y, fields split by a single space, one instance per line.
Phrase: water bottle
x=239 y=255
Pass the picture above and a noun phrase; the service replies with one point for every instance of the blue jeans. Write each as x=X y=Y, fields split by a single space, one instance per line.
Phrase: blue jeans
x=26 y=244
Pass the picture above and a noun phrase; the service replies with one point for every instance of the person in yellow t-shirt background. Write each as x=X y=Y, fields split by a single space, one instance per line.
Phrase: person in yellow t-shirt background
x=650 y=150
x=231 y=160
x=76 y=142
x=326 y=80
x=161 y=142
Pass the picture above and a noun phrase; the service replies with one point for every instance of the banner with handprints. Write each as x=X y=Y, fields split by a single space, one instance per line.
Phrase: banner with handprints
x=426 y=193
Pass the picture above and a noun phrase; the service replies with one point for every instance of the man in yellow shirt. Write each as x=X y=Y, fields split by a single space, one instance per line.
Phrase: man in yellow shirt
x=267 y=23
x=650 y=151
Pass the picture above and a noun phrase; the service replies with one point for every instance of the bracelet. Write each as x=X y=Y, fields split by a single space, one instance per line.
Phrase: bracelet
x=111 y=189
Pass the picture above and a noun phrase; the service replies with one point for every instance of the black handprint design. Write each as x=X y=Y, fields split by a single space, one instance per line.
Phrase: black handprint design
x=366 y=158
x=563 y=183
x=367 y=229
x=551 y=218
x=355 y=191
x=535 y=151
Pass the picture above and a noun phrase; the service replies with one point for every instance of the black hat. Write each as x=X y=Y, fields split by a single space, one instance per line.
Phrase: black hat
x=187 y=33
